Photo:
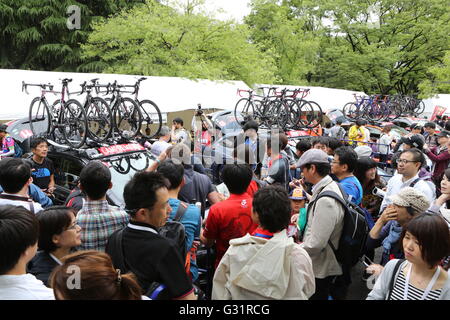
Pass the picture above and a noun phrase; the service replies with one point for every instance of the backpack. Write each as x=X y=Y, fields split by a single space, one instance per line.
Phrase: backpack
x=174 y=230
x=354 y=233
x=18 y=151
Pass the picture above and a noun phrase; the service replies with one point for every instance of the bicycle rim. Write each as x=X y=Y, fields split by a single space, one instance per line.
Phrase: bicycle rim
x=74 y=124
x=39 y=117
x=127 y=117
x=99 y=119
x=151 y=119
x=245 y=107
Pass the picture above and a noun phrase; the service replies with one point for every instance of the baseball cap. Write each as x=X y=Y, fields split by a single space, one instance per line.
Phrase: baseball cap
x=410 y=197
x=415 y=142
x=297 y=194
x=312 y=156
x=444 y=133
x=3 y=127
x=363 y=151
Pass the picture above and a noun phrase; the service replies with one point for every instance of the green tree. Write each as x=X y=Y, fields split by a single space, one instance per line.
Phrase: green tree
x=34 y=33
x=161 y=41
x=439 y=81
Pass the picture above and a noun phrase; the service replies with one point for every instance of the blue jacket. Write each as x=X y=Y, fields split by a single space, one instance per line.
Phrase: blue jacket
x=37 y=195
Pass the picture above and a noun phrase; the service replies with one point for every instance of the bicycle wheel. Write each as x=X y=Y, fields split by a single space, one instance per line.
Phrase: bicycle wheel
x=305 y=116
x=246 y=108
x=127 y=118
x=420 y=107
x=375 y=112
x=351 y=111
x=39 y=117
x=99 y=119
x=317 y=114
x=151 y=119
x=73 y=124
x=270 y=116
x=283 y=114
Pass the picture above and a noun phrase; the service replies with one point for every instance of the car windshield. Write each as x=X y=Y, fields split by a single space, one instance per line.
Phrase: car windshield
x=123 y=169
x=227 y=122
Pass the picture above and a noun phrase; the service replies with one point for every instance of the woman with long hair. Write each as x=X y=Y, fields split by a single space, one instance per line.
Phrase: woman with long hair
x=426 y=241
x=366 y=172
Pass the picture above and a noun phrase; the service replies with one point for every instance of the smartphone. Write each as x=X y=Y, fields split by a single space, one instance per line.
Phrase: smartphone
x=366 y=261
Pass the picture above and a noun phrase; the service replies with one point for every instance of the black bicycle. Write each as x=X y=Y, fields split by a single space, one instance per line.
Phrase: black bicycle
x=64 y=120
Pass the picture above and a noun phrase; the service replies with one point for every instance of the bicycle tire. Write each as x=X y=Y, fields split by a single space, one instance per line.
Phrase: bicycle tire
x=318 y=114
x=243 y=105
x=351 y=111
x=149 y=109
x=420 y=107
x=127 y=118
x=283 y=114
x=99 y=119
x=305 y=116
x=39 y=111
x=73 y=124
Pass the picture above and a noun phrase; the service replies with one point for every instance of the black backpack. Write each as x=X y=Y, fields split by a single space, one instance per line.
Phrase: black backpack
x=174 y=231
x=354 y=233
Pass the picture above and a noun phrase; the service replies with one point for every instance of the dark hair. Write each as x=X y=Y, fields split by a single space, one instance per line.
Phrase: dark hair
x=172 y=172
x=95 y=179
x=237 y=177
x=339 y=122
x=347 y=156
x=334 y=143
x=282 y=141
x=303 y=145
x=328 y=125
x=3 y=127
x=432 y=233
x=99 y=280
x=37 y=141
x=447 y=126
x=360 y=122
x=364 y=164
x=417 y=155
x=140 y=191
x=14 y=174
x=273 y=207
x=178 y=120
x=321 y=140
x=251 y=124
x=431 y=125
x=447 y=174
x=53 y=221
x=244 y=154
x=19 y=230
x=322 y=169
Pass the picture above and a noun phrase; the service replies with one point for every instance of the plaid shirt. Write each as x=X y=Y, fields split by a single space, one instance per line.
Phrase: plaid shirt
x=98 y=220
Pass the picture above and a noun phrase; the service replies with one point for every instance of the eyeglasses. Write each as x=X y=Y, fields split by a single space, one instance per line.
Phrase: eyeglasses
x=72 y=227
x=404 y=161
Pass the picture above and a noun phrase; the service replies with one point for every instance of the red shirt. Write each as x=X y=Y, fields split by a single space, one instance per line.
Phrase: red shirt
x=252 y=188
x=229 y=219
x=206 y=138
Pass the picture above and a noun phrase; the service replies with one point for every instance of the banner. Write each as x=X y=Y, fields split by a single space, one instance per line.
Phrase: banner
x=438 y=111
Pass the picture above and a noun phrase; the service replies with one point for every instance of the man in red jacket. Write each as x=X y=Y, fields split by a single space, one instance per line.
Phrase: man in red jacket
x=440 y=155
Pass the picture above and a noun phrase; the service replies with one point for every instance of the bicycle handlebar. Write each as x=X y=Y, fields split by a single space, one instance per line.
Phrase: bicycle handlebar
x=41 y=85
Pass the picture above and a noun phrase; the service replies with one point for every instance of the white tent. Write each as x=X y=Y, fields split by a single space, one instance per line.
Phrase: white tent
x=170 y=94
x=441 y=100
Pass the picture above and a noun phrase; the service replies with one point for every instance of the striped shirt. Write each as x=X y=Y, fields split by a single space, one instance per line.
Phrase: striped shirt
x=98 y=220
x=413 y=292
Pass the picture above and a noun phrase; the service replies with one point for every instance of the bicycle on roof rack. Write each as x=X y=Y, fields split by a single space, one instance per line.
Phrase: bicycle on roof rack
x=63 y=120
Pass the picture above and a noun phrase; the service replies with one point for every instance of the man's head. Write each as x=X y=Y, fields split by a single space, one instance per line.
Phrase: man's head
x=251 y=129
x=298 y=199
x=19 y=233
x=164 y=133
x=15 y=174
x=302 y=146
x=146 y=198
x=408 y=203
x=276 y=143
x=178 y=123
x=3 y=129
x=344 y=162
x=338 y=122
x=416 y=128
x=359 y=123
x=271 y=208
x=39 y=147
x=430 y=127
x=333 y=144
x=95 y=180
x=412 y=142
x=314 y=165
x=320 y=143
x=237 y=177
x=410 y=162
x=443 y=137
x=172 y=172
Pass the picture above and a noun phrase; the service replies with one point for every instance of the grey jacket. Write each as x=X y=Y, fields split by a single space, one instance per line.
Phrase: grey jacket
x=381 y=289
x=325 y=222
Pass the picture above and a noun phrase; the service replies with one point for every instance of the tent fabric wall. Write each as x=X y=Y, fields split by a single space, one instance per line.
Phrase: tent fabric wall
x=170 y=94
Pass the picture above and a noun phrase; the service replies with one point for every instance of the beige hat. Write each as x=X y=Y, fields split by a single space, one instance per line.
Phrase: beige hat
x=410 y=197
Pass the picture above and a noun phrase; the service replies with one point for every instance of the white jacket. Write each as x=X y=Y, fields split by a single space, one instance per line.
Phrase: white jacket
x=255 y=268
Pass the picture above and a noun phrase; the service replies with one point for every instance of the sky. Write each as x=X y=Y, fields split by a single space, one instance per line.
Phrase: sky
x=236 y=9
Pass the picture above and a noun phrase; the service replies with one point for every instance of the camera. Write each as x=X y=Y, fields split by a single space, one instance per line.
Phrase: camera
x=378 y=192
x=199 y=110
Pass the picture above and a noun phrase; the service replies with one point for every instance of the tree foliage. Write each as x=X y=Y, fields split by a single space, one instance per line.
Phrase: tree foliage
x=160 y=41
x=34 y=33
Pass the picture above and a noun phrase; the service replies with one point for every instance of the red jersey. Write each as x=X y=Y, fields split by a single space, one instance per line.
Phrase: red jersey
x=252 y=188
x=229 y=219
x=206 y=138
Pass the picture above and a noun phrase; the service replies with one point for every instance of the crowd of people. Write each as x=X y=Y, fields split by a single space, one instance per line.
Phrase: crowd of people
x=271 y=229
